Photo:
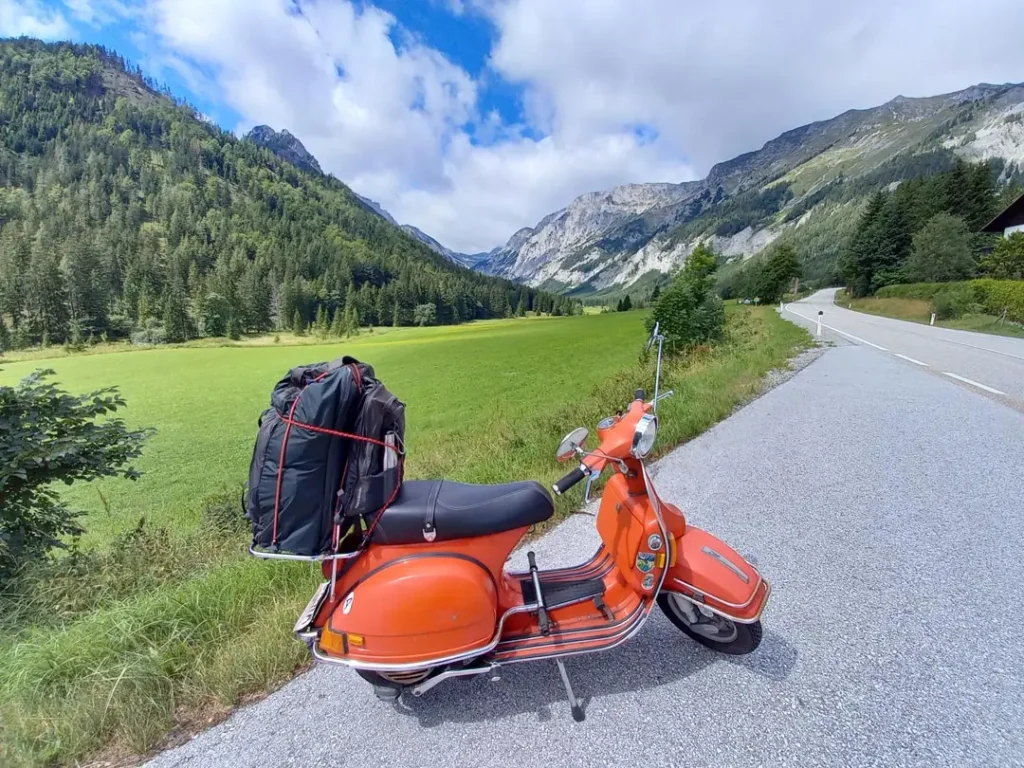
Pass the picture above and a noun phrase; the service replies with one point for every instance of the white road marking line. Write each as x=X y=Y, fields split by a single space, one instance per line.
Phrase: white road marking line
x=841 y=333
x=912 y=360
x=973 y=383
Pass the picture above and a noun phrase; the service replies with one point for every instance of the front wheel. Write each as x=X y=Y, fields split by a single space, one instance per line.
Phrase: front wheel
x=709 y=629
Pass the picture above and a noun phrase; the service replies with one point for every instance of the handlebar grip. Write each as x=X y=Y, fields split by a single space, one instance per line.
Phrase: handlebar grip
x=568 y=481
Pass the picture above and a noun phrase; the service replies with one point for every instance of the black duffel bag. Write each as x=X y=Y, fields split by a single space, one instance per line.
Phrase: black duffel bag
x=323 y=440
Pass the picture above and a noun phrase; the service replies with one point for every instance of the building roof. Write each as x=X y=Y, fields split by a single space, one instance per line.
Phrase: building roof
x=1013 y=216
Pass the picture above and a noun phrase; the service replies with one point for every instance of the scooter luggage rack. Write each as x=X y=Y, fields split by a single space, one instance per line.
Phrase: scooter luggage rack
x=264 y=555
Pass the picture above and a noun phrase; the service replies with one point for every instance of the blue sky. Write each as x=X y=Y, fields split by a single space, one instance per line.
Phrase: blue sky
x=473 y=118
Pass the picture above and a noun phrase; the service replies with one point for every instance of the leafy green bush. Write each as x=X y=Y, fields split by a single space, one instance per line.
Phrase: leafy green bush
x=982 y=295
x=689 y=312
x=151 y=333
x=48 y=436
x=924 y=291
x=999 y=295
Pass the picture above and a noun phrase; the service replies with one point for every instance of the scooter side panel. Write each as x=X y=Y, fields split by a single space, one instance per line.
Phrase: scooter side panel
x=712 y=572
x=418 y=608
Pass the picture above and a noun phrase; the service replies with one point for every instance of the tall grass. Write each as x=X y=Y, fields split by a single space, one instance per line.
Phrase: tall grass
x=176 y=649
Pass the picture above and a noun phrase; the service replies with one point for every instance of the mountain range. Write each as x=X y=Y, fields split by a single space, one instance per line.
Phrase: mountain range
x=806 y=185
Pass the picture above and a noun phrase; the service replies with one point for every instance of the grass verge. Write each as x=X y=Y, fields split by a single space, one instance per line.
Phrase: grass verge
x=920 y=310
x=180 y=648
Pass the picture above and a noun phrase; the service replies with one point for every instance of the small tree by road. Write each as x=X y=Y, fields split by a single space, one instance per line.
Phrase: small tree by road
x=49 y=436
x=688 y=310
x=1006 y=262
x=941 y=252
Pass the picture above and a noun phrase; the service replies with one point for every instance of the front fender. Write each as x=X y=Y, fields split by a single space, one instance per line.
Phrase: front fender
x=709 y=571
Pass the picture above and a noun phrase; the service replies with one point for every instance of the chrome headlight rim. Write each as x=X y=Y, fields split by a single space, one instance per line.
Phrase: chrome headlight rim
x=644 y=435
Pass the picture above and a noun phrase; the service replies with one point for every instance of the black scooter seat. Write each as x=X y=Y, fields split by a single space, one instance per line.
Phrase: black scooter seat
x=460 y=511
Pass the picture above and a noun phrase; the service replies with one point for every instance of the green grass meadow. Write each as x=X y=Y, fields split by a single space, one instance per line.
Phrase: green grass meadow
x=177 y=624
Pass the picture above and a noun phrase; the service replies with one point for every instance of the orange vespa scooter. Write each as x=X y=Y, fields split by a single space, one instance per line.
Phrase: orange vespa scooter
x=427 y=598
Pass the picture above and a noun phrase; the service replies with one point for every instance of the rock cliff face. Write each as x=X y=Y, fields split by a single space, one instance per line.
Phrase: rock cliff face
x=286 y=146
x=614 y=238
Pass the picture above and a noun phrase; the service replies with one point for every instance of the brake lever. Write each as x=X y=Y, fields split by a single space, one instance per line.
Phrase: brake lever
x=590 y=482
x=662 y=396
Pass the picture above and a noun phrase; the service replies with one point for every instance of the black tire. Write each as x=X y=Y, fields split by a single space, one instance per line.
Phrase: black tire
x=746 y=639
x=383 y=689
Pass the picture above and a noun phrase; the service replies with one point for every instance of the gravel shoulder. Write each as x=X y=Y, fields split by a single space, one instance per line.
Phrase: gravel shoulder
x=883 y=505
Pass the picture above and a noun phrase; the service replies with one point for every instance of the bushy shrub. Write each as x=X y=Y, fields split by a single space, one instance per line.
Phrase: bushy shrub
x=999 y=295
x=151 y=333
x=48 y=436
x=955 y=300
x=689 y=312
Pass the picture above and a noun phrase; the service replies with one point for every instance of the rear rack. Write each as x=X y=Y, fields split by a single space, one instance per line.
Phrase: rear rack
x=264 y=555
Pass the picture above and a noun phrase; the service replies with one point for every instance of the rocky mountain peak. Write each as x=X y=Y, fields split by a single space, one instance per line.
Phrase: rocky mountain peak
x=284 y=145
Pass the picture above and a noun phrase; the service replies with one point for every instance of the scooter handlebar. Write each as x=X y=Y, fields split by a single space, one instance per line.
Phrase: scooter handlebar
x=568 y=481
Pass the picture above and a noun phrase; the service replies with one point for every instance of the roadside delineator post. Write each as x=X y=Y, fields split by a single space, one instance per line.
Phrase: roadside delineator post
x=820 y=313
x=933 y=319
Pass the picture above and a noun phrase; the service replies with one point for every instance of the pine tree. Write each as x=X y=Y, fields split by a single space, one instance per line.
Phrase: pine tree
x=298 y=326
x=351 y=314
x=5 y=336
x=176 y=325
x=656 y=293
x=321 y=327
x=627 y=303
x=338 y=323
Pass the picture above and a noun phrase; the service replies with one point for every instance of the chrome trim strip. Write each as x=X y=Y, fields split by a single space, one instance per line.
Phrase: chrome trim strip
x=738 y=606
x=628 y=633
x=465 y=656
x=723 y=614
x=303 y=558
x=726 y=562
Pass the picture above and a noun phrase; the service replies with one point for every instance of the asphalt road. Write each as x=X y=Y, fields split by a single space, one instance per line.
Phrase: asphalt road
x=884 y=504
x=990 y=364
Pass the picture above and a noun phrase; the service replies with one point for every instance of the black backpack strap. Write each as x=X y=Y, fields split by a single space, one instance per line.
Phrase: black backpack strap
x=429 y=532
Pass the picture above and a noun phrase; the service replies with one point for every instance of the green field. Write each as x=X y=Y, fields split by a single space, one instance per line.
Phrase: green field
x=174 y=624
x=456 y=381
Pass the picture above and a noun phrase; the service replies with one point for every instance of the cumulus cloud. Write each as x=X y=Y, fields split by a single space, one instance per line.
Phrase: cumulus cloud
x=28 y=17
x=613 y=92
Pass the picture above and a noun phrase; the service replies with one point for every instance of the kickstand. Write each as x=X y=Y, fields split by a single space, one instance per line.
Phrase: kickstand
x=577 y=708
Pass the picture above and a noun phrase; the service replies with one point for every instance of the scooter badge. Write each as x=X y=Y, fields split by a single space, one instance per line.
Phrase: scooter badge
x=347 y=605
x=654 y=542
x=648 y=582
x=645 y=562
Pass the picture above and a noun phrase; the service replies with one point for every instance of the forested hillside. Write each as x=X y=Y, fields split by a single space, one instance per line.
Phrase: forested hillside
x=121 y=211
x=925 y=228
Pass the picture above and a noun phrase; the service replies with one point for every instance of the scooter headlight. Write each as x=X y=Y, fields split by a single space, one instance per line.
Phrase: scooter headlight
x=643 y=437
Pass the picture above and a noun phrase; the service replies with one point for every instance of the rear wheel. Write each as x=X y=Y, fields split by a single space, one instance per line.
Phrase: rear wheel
x=709 y=629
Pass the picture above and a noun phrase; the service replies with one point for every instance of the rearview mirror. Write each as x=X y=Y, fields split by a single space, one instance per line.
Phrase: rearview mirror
x=654 y=336
x=572 y=441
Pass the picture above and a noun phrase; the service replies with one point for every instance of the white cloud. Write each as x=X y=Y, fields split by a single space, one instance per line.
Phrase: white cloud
x=394 y=120
x=717 y=79
x=28 y=17
x=97 y=12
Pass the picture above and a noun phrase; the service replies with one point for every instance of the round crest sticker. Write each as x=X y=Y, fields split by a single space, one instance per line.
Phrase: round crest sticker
x=347 y=605
x=648 y=582
x=654 y=542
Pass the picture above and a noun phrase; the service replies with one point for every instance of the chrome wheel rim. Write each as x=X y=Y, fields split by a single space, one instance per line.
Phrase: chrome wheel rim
x=713 y=627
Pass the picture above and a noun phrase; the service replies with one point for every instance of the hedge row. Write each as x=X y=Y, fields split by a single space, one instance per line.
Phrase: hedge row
x=994 y=296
